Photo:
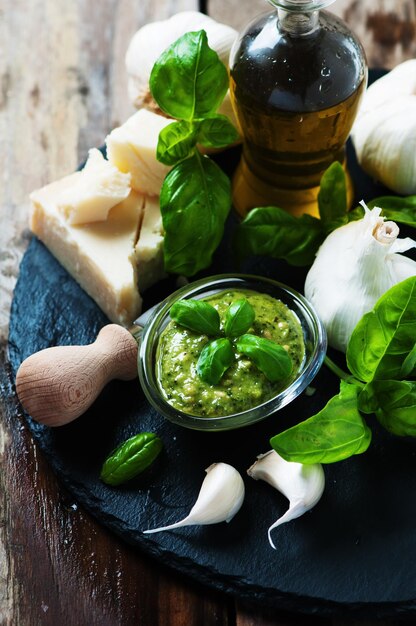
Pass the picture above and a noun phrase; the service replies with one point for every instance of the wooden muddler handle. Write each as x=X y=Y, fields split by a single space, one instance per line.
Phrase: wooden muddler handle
x=57 y=385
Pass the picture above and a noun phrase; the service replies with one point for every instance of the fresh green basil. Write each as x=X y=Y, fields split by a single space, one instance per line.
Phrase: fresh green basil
x=335 y=433
x=394 y=404
x=188 y=81
x=195 y=200
x=395 y=208
x=408 y=368
x=267 y=356
x=196 y=315
x=131 y=458
x=216 y=132
x=384 y=337
x=332 y=197
x=214 y=360
x=176 y=142
x=273 y=232
x=239 y=318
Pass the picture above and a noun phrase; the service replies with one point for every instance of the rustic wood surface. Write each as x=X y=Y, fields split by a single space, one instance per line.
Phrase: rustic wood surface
x=62 y=88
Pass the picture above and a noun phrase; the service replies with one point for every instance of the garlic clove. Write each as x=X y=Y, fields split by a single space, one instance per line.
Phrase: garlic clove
x=303 y=485
x=220 y=498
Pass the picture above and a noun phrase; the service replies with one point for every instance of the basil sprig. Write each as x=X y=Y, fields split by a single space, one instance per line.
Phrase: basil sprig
x=131 y=458
x=196 y=315
x=189 y=82
x=271 y=231
x=219 y=354
x=380 y=354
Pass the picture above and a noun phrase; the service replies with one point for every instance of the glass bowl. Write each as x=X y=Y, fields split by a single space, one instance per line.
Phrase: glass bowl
x=313 y=333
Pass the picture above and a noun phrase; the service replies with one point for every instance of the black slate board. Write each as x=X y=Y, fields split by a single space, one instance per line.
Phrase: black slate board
x=354 y=553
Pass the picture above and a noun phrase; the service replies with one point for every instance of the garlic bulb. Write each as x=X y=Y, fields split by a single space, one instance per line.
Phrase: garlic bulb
x=384 y=133
x=354 y=267
x=220 y=498
x=152 y=39
x=303 y=485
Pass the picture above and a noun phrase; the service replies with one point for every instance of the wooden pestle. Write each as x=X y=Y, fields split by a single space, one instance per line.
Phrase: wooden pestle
x=57 y=385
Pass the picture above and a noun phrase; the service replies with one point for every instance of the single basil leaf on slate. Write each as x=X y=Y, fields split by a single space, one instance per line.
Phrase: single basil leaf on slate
x=271 y=231
x=214 y=360
x=188 y=81
x=408 y=367
x=197 y=316
x=238 y=318
x=384 y=337
x=267 y=356
x=131 y=458
x=176 y=142
x=394 y=404
x=217 y=132
x=335 y=433
x=332 y=197
x=195 y=200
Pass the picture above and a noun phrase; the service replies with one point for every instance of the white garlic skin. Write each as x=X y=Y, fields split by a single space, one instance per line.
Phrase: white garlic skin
x=303 y=485
x=384 y=133
x=220 y=498
x=354 y=267
x=152 y=39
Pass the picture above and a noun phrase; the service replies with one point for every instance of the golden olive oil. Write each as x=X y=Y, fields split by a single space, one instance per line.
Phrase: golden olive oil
x=296 y=98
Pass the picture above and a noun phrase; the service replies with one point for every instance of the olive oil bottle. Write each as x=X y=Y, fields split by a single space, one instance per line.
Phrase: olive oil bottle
x=297 y=77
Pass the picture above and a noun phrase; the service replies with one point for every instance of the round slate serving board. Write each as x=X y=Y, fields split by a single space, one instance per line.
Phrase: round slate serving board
x=355 y=552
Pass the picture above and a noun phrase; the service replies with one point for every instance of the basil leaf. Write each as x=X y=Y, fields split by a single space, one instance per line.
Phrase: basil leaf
x=131 y=458
x=197 y=316
x=267 y=356
x=176 y=142
x=273 y=232
x=408 y=367
x=384 y=337
x=194 y=201
x=214 y=360
x=188 y=80
x=217 y=132
x=395 y=208
x=394 y=404
x=335 y=433
x=332 y=197
x=239 y=318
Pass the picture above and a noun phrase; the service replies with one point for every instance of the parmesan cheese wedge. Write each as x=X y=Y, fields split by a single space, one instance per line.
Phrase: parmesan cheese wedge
x=148 y=253
x=99 y=188
x=132 y=148
x=100 y=256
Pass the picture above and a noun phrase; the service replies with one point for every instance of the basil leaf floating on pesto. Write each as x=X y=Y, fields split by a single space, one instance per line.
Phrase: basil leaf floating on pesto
x=269 y=357
x=238 y=318
x=242 y=386
x=214 y=360
x=196 y=315
x=131 y=458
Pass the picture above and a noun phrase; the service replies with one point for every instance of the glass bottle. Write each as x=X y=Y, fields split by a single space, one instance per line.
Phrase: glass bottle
x=297 y=77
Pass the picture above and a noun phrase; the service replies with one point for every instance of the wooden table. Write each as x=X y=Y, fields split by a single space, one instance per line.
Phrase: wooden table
x=62 y=88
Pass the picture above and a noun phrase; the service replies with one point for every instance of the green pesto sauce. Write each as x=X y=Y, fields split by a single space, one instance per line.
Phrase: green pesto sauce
x=243 y=386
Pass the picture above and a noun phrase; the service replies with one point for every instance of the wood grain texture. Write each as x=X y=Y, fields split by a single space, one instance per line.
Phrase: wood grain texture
x=62 y=88
x=386 y=28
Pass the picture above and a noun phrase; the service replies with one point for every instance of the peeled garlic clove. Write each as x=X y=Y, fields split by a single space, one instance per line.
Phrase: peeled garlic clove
x=353 y=268
x=220 y=498
x=303 y=485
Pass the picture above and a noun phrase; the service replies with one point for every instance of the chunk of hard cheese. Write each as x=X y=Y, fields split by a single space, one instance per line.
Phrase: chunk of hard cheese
x=132 y=148
x=148 y=252
x=100 y=255
x=99 y=187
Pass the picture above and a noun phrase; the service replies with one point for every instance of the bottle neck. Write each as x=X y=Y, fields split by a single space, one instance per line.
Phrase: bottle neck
x=298 y=23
